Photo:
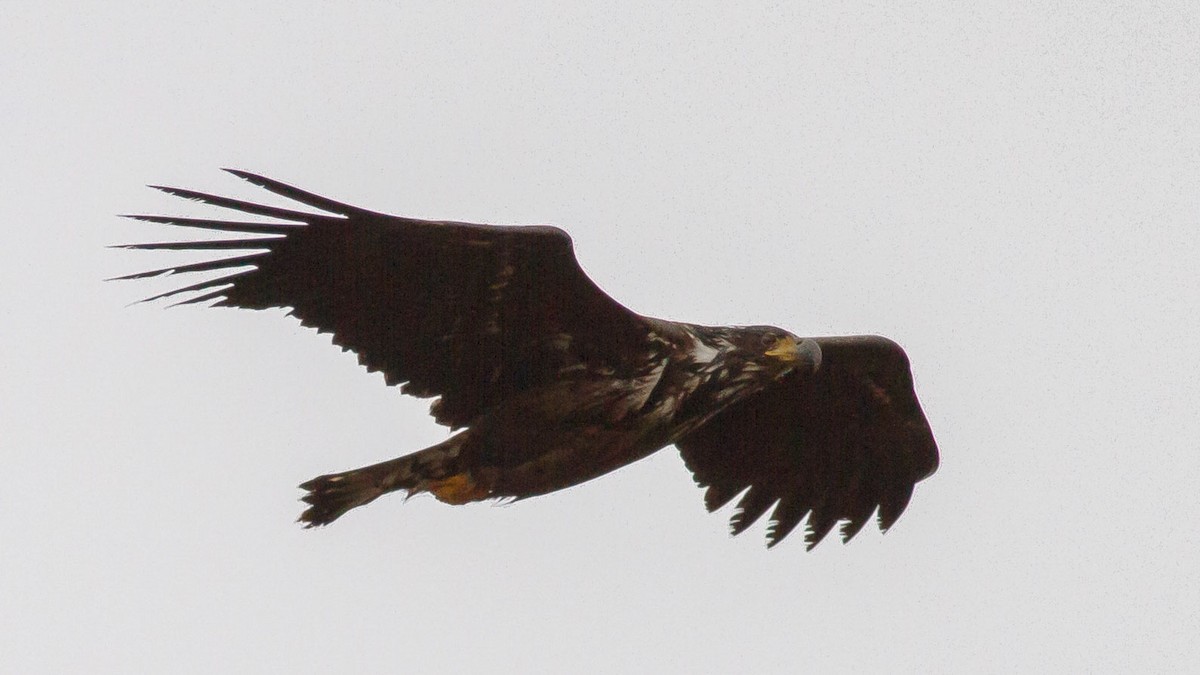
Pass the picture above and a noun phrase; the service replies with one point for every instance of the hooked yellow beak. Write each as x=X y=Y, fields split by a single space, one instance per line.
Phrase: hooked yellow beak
x=784 y=348
x=787 y=349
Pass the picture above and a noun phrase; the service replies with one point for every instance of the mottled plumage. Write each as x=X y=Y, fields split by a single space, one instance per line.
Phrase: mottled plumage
x=553 y=383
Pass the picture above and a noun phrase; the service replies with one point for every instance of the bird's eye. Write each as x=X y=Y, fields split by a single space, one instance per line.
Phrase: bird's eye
x=768 y=339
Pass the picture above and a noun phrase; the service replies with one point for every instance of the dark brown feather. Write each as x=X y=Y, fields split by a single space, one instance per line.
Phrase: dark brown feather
x=471 y=313
x=837 y=444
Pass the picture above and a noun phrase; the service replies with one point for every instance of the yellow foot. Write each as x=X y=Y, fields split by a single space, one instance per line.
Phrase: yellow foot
x=458 y=489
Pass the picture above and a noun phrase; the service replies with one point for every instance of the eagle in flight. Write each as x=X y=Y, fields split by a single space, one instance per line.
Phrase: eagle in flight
x=549 y=382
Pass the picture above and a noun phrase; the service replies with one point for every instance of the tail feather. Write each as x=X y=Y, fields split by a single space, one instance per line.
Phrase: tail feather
x=332 y=495
x=432 y=469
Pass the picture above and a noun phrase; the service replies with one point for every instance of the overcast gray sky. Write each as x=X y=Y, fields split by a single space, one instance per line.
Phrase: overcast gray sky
x=1013 y=194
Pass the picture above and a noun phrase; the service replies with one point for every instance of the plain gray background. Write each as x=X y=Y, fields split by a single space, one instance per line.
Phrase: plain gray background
x=1012 y=193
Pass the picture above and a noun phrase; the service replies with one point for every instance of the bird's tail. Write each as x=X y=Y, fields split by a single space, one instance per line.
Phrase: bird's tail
x=435 y=469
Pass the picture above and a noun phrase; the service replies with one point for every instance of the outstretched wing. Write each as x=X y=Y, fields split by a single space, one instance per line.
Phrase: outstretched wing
x=471 y=313
x=835 y=444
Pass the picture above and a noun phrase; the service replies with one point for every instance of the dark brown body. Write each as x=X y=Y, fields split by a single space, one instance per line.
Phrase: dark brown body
x=574 y=429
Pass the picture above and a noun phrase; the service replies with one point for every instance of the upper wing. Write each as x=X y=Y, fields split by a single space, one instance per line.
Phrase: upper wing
x=833 y=444
x=473 y=313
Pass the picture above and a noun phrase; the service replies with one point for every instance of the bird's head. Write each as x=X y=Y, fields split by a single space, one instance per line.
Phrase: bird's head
x=781 y=349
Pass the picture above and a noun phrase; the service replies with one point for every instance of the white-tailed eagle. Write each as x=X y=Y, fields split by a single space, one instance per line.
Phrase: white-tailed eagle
x=552 y=383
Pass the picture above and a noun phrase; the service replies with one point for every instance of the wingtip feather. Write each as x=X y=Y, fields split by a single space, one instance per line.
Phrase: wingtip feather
x=244 y=175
